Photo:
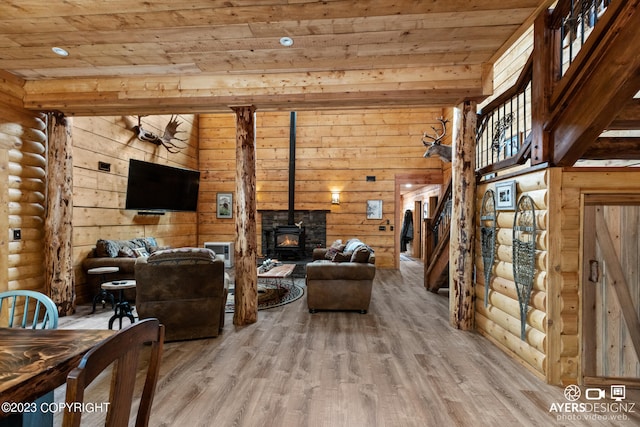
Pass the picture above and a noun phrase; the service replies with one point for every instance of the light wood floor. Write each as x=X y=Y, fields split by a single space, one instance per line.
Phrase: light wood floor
x=399 y=365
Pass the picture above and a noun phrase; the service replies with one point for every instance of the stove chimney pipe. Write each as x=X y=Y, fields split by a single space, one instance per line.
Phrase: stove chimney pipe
x=292 y=167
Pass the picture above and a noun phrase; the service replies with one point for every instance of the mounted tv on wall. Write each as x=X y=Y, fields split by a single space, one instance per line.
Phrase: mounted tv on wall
x=154 y=187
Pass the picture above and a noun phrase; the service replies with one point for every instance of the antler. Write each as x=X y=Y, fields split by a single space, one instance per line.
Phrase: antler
x=170 y=131
x=434 y=147
x=438 y=137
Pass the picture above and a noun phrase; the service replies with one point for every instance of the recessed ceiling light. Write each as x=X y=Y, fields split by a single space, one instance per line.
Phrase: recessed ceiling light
x=60 y=51
x=286 y=41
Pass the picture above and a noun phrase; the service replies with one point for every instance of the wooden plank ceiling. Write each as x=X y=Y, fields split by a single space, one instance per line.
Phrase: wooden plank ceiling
x=139 y=56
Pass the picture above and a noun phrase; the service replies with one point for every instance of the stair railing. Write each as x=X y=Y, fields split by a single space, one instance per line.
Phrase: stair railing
x=437 y=227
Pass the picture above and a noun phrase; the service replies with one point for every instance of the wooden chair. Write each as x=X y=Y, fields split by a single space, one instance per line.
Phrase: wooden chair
x=39 y=312
x=43 y=316
x=123 y=348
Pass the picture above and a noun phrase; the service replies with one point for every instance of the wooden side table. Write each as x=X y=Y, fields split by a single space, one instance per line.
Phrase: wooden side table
x=103 y=295
x=123 y=308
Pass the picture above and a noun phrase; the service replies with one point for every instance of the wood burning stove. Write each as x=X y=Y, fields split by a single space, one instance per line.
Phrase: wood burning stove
x=289 y=241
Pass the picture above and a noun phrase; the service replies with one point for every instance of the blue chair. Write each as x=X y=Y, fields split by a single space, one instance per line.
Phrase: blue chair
x=39 y=312
x=45 y=312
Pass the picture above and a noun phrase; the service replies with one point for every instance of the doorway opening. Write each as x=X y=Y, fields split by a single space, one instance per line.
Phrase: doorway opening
x=415 y=197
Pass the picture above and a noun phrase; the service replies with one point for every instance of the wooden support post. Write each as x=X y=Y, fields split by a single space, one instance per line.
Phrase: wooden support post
x=541 y=86
x=462 y=240
x=246 y=247
x=58 y=228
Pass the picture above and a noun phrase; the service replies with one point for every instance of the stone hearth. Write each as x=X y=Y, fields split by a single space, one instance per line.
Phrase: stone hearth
x=314 y=223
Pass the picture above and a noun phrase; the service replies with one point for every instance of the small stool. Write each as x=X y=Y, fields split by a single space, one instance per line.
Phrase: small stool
x=123 y=308
x=103 y=295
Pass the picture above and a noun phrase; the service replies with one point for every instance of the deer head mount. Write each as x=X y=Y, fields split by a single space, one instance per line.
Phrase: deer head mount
x=166 y=140
x=434 y=142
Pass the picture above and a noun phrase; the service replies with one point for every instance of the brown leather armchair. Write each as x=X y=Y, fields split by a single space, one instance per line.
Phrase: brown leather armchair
x=344 y=285
x=186 y=289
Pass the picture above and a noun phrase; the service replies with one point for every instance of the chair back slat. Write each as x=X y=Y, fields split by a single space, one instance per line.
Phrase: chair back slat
x=25 y=313
x=122 y=389
x=122 y=348
x=36 y=315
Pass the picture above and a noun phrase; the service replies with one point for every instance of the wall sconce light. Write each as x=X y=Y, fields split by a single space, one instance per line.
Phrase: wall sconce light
x=335 y=197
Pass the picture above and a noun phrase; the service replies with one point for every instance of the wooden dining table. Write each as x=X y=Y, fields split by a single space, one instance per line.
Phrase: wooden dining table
x=34 y=362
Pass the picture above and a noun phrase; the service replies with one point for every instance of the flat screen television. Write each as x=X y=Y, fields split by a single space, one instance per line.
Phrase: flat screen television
x=154 y=187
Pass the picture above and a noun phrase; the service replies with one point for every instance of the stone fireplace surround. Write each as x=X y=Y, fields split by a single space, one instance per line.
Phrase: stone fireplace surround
x=314 y=222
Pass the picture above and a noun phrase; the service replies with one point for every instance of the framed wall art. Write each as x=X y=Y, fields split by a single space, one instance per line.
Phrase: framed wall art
x=506 y=196
x=374 y=209
x=224 y=205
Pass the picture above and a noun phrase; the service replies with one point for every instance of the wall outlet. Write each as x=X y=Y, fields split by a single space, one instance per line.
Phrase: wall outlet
x=16 y=234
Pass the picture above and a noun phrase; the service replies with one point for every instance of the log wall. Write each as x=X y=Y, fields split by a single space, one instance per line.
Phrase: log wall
x=552 y=348
x=23 y=136
x=336 y=151
x=22 y=168
x=500 y=320
x=99 y=197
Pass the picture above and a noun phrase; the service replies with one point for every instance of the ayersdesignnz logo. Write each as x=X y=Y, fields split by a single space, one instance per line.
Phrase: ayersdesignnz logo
x=598 y=406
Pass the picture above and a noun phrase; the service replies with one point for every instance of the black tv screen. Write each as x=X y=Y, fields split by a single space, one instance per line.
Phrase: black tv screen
x=155 y=187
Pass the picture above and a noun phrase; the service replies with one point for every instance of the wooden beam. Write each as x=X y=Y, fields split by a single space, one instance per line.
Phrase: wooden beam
x=603 y=79
x=543 y=39
x=628 y=118
x=246 y=246
x=620 y=148
x=462 y=243
x=11 y=89
x=58 y=226
x=437 y=85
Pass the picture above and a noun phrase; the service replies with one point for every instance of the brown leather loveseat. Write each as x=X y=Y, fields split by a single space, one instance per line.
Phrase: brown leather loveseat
x=341 y=277
x=116 y=253
x=186 y=289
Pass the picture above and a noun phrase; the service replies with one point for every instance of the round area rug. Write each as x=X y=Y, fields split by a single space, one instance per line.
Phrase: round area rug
x=270 y=295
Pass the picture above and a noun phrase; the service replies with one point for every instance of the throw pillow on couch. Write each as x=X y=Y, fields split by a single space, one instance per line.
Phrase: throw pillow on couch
x=124 y=248
x=353 y=251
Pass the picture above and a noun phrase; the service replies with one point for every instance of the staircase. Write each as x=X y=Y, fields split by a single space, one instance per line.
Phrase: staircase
x=436 y=266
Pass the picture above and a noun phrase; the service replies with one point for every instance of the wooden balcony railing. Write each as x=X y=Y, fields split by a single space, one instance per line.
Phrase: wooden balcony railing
x=585 y=72
x=504 y=125
x=575 y=19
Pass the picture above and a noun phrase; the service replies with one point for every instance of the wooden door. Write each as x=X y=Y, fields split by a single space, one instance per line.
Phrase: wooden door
x=417 y=230
x=611 y=291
